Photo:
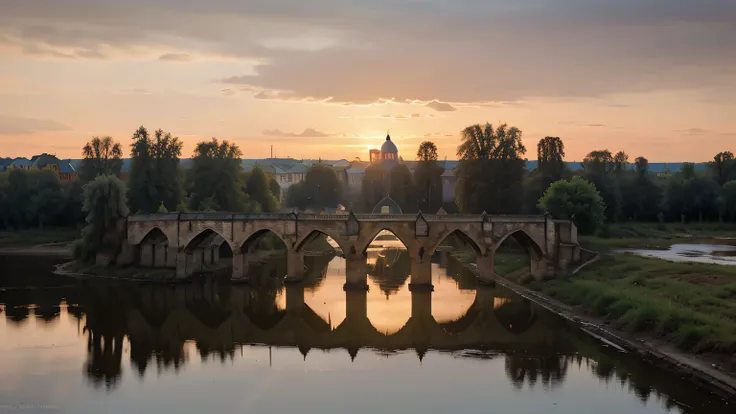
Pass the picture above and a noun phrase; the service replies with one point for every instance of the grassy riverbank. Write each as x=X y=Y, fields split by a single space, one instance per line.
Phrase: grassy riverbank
x=692 y=306
x=34 y=237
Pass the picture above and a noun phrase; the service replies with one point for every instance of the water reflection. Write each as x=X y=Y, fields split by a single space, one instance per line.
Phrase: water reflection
x=163 y=329
x=723 y=254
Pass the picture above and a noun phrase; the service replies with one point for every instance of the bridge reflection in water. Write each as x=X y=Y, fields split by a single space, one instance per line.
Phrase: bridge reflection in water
x=161 y=328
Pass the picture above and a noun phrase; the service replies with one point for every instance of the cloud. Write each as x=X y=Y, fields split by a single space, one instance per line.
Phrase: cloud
x=323 y=53
x=137 y=91
x=307 y=133
x=400 y=117
x=21 y=125
x=228 y=92
x=175 y=57
x=441 y=106
x=596 y=125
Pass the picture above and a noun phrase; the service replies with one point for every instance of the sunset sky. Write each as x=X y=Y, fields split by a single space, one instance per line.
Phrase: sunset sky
x=328 y=78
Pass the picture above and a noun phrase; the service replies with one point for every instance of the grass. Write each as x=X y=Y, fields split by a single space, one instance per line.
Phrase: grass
x=32 y=237
x=507 y=261
x=690 y=305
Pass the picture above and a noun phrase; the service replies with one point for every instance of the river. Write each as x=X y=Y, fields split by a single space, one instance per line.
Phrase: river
x=93 y=346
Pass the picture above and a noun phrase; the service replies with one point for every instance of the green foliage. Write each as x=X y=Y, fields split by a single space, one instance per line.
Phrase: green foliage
x=162 y=209
x=105 y=204
x=257 y=188
x=102 y=156
x=427 y=151
x=491 y=170
x=603 y=170
x=320 y=188
x=550 y=155
x=693 y=198
x=214 y=180
x=428 y=186
x=36 y=198
x=375 y=187
x=154 y=174
x=576 y=199
x=402 y=189
x=727 y=200
x=723 y=167
x=274 y=187
x=691 y=306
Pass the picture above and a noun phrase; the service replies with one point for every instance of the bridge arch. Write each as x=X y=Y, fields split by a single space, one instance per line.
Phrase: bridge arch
x=200 y=239
x=155 y=236
x=302 y=241
x=456 y=232
x=524 y=239
x=405 y=238
x=255 y=237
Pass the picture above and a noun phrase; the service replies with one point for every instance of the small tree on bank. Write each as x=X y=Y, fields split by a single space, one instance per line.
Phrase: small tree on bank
x=576 y=198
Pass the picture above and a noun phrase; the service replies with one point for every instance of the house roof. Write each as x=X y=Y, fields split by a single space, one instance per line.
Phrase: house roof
x=40 y=161
x=21 y=162
x=65 y=167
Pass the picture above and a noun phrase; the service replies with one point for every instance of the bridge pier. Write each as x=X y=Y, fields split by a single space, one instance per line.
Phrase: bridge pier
x=294 y=265
x=485 y=267
x=421 y=274
x=356 y=305
x=294 y=298
x=146 y=259
x=356 y=271
x=240 y=266
x=171 y=253
x=421 y=303
x=541 y=268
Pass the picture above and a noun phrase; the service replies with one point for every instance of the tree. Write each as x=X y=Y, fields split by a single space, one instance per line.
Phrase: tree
x=723 y=167
x=256 y=186
x=491 y=170
x=642 y=167
x=47 y=198
x=275 y=188
x=102 y=156
x=401 y=188
x=550 y=154
x=620 y=162
x=600 y=167
x=320 y=188
x=154 y=175
x=576 y=199
x=105 y=204
x=687 y=170
x=691 y=198
x=374 y=188
x=427 y=151
x=727 y=200
x=642 y=195
x=215 y=174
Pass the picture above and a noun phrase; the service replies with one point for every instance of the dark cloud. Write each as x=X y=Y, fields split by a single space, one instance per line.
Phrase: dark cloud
x=175 y=57
x=21 y=125
x=441 y=106
x=596 y=125
x=307 y=133
x=357 y=51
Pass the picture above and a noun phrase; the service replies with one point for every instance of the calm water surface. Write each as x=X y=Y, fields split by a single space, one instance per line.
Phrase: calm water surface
x=724 y=254
x=74 y=346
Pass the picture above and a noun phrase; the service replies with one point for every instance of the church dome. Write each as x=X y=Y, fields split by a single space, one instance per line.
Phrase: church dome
x=389 y=147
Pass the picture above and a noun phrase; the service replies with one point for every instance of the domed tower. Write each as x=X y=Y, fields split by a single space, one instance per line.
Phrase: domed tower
x=389 y=153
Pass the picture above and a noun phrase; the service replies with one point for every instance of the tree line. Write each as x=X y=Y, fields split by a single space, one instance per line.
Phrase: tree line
x=492 y=177
x=156 y=182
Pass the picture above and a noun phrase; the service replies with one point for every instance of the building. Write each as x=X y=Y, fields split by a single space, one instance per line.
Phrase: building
x=63 y=168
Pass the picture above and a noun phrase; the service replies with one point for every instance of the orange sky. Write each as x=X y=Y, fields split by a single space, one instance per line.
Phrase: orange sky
x=654 y=78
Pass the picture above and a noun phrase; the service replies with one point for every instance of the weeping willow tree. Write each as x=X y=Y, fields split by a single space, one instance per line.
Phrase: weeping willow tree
x=105 y=204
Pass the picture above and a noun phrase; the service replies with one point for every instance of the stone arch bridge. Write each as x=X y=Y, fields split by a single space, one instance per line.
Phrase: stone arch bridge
x=191 y=243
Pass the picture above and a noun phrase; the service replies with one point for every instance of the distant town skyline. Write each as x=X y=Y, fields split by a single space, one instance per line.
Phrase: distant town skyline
x=315 y=79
